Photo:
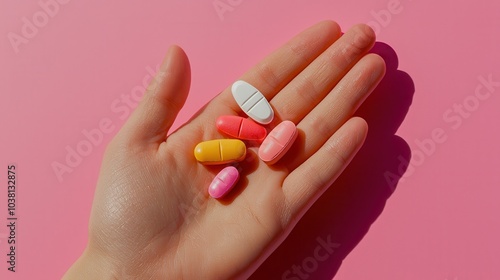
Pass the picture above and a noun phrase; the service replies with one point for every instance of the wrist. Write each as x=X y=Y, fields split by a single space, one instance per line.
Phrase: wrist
x=91 y=265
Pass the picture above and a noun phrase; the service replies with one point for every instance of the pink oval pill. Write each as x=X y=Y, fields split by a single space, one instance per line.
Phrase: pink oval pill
x=223 y=182
x=241 y=128
x=278 y=142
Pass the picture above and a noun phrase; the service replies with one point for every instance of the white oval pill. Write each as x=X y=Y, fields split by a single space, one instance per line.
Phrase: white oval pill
x=252 y=102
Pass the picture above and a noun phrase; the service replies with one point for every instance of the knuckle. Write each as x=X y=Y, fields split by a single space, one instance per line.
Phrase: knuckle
x=307 y=91
x=337 y=155
x=267 y=74
x=319 y=124
x=299 y=48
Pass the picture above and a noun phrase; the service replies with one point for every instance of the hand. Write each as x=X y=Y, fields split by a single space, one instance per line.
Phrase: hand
x=152 y=217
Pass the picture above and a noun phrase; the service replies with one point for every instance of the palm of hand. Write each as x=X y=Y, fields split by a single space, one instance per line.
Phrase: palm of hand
x=173 y=218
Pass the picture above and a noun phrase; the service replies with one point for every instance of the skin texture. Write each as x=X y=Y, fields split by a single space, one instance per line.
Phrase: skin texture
x=152 y=217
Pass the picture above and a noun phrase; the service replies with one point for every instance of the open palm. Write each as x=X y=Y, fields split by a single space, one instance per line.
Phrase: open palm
x=152 y=217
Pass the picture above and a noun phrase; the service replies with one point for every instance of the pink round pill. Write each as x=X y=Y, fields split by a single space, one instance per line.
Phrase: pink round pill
x=278 y=142
x=223 y=182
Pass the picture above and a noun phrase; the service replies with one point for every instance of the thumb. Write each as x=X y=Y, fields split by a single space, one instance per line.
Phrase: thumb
x=164 y=98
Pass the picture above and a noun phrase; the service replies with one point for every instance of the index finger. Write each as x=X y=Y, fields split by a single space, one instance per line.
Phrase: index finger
x=276 y=70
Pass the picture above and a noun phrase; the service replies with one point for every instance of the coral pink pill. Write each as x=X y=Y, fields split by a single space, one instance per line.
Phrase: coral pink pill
x=223 y=182
x=278 y=142
x=241 y=128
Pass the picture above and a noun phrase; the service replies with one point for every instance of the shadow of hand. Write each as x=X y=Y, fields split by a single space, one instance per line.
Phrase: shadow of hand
x=338 y=221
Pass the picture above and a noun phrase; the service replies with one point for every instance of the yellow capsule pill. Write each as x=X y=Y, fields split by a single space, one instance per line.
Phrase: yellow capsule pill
x=220 y=151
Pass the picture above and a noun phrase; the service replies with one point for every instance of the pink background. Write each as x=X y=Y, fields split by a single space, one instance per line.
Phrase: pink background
x=441 y=221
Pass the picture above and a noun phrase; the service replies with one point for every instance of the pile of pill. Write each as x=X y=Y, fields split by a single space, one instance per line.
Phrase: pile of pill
x=225 y=151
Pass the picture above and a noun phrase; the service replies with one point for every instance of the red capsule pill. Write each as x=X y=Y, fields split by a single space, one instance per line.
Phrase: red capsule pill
x=241 y=128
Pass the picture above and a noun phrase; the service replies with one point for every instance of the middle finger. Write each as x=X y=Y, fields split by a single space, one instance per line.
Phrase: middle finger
x=308 y=88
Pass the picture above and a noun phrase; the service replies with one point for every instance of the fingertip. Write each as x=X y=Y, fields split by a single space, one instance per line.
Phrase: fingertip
x=373 y=69
x=179 y=52
x=379 y=62
x=163 y=99
x=366 y=30
x=172 y=82
x=176 y=61
x=364 y=38
x=330 y=27
x=361 y=126
x=359 y=121
x=174 y=49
